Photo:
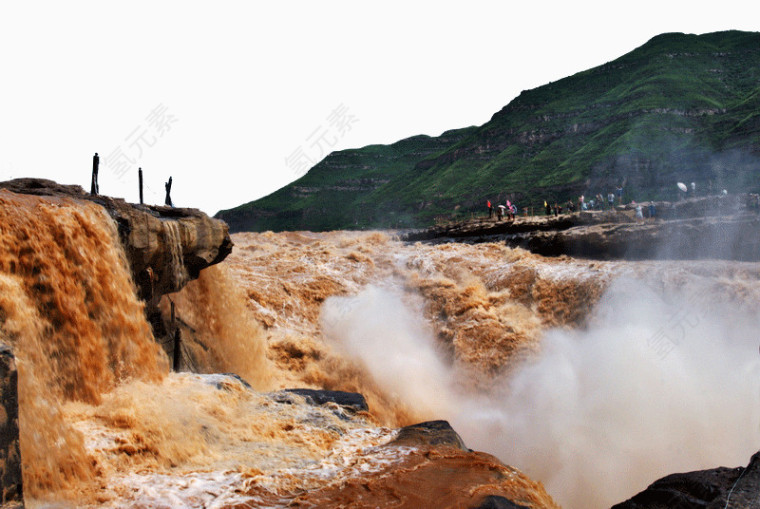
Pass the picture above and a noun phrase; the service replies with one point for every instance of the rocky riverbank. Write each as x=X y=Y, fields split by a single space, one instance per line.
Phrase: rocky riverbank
x=720 y=227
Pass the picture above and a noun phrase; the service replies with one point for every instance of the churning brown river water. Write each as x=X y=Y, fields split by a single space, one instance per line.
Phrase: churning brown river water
x=594 y=378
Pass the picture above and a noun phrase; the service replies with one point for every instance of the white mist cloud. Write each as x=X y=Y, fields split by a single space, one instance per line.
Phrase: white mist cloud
x=392 y=340
x=606 y=411
x=658 y=383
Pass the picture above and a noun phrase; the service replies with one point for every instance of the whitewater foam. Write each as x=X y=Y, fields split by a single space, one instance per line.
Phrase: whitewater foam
x=601 y=412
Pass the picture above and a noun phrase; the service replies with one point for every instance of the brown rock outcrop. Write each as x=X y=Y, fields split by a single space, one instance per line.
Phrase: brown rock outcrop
x=430 y=433
x=437 y=470
x=166 y=247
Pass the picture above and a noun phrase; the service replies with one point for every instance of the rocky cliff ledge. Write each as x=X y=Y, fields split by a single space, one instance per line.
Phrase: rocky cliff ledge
x=166 y=247
x=725 y=227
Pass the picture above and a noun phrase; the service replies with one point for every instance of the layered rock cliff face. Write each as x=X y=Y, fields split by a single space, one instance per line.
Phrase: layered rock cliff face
x=166 y=247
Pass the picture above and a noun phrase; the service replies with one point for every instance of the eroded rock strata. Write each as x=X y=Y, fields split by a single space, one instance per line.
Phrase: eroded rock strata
x=166 y=247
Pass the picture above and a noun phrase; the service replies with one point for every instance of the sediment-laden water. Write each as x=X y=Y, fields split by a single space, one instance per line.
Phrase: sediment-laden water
x=593 y=378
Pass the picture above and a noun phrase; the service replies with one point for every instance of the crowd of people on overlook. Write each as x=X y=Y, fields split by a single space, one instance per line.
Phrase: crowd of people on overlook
x=509 y=211
x=597 y=202
x=691 y=196
x=600 y=202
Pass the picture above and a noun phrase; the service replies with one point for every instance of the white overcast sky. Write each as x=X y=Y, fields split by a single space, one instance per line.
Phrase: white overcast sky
x=232 y=98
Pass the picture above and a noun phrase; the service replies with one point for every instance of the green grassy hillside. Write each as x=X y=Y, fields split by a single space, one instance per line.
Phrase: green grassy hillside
x=679 y=108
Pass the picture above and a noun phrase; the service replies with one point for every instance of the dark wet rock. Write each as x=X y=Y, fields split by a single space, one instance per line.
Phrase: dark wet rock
x=729 y=238
x=429 y=433
x=718 y=488
x=11 y=493
x=745 y=492
x=166 y=247
x=497 y=502
x=348 y=402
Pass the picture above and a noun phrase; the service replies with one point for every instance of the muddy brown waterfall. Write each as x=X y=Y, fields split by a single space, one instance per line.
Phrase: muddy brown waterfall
x=70 y=312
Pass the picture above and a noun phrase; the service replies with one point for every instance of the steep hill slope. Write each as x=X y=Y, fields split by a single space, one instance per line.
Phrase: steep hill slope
x=679 y=108
x=337 y=192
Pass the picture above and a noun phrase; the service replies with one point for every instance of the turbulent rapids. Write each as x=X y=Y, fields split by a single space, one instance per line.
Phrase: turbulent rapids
x=592 y=378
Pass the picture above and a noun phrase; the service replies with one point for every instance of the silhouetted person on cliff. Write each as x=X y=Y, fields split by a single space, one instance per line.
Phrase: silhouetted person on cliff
x=140 y=183
x=94 y=184
x=168 y=199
